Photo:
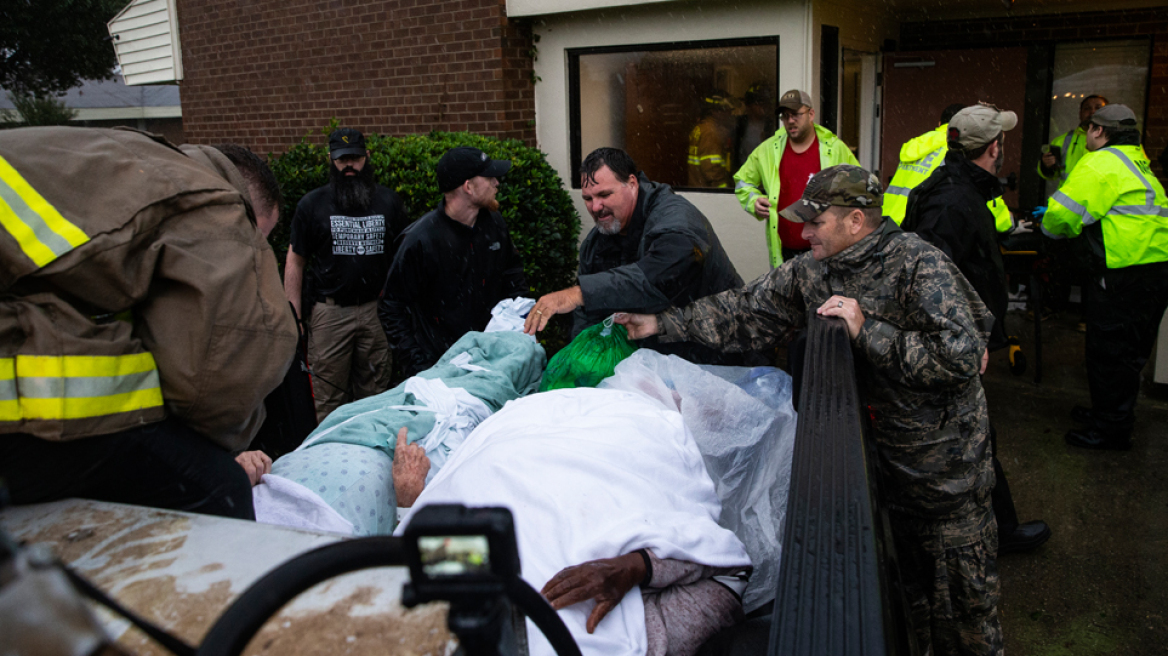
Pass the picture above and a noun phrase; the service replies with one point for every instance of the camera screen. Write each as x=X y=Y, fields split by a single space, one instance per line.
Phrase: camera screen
x=454 y=555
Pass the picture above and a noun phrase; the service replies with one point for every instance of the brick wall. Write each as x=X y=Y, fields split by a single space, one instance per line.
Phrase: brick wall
x=263 y=73
x=1027 y=30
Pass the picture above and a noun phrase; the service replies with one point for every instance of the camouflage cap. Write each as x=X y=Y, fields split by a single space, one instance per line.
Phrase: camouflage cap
x=1114 y=116
x=843 y=185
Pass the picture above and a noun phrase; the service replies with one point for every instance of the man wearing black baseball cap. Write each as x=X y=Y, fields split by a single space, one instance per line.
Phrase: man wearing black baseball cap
x=452 y=265
x=347 y=228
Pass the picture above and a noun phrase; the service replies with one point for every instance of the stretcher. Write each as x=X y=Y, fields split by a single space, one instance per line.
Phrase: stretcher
x=836 y=592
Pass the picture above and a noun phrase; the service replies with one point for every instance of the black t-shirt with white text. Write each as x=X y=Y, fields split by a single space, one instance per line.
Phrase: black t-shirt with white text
x=350 y=254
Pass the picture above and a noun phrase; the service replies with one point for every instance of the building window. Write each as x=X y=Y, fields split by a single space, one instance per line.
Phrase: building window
x=1116 y=70
x=687 y=113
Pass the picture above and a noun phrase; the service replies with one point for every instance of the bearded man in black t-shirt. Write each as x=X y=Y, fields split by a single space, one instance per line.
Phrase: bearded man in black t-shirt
x=346 y=229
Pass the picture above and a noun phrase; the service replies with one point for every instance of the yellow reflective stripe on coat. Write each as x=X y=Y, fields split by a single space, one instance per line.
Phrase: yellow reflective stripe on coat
x=39 y=387
x=40 y=230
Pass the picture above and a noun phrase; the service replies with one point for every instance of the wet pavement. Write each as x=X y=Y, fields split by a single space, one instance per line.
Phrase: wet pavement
x=1100 y=585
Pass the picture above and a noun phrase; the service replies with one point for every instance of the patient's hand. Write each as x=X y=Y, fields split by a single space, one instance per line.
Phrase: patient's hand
x=606 y=580
x=256 y=464
x=410 y=466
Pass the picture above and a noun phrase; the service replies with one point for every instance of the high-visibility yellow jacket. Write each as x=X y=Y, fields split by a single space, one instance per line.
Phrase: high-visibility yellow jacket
x=1113 y=197
x=711 y=155
x=759 y=176
x=1073 y=145
x=133 y=283
x=919 y=157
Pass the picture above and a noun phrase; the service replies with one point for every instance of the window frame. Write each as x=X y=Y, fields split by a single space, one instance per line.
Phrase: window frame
x=1141 y=112
x=576 y=157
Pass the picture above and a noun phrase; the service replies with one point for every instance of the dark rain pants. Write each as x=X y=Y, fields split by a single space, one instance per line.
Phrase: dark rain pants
x=1124 y=310
x=161 y=465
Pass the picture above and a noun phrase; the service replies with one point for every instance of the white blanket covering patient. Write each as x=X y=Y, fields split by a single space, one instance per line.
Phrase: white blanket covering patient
x=591 y=474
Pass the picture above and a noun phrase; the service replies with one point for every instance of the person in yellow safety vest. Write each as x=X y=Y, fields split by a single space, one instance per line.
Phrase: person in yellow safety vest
x=1113 y=201
x=776 y=173
x=142 y=320
x=919 y=157
x=711 y=143
x=1060 y=156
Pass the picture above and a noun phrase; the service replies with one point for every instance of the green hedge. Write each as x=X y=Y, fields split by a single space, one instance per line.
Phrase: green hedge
x=539 y=213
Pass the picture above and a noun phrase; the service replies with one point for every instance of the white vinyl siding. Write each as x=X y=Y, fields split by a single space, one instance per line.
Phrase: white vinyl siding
x=145 y=36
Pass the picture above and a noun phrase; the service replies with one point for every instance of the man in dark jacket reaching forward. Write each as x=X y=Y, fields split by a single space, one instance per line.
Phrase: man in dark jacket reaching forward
x=650 y=250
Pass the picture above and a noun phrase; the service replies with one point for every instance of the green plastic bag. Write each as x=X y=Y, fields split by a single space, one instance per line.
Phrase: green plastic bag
x=588 y=359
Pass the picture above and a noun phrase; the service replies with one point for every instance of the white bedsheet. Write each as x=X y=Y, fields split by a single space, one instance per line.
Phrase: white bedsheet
x=591 y=473
x=283 y=502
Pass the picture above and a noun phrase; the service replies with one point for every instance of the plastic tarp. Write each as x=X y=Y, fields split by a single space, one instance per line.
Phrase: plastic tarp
x=744 y=424
x=591 y=473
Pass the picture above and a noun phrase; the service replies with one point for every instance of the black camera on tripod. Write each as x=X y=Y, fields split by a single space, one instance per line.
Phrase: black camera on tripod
x=468 y=557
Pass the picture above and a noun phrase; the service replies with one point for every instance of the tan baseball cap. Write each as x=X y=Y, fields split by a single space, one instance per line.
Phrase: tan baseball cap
x=794 y=100
x=1114 y=116
x=843 y=185
x=976 y=126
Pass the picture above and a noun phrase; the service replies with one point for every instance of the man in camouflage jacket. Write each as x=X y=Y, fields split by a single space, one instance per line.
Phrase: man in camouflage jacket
x=920 y=332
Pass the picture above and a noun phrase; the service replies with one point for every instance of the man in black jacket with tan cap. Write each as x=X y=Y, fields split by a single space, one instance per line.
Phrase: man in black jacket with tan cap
x=949 y=211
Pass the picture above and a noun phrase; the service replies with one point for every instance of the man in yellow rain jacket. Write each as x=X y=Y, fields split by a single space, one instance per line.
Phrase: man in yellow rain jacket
x=1113 y=201
x=919 y=157
x=1057 y=164
x=142 y=320
x=776 y=173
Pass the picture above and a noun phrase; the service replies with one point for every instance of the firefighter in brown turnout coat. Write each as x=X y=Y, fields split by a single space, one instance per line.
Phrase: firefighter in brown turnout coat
x=142 y=321
x=920 y=331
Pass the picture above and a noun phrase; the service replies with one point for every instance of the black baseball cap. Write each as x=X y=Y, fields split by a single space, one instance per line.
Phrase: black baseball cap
x=346 y=141
x=463 y=163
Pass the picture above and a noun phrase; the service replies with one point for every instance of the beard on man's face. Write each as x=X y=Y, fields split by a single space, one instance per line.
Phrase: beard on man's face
x=352 y=194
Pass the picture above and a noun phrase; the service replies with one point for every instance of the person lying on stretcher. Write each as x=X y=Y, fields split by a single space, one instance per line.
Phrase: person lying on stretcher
x=580 y=471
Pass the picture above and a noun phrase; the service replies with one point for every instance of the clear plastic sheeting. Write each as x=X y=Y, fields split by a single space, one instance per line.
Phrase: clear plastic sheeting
x=744 y=424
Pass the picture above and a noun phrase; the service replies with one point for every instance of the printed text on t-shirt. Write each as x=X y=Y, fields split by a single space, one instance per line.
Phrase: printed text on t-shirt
x=361 y=235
